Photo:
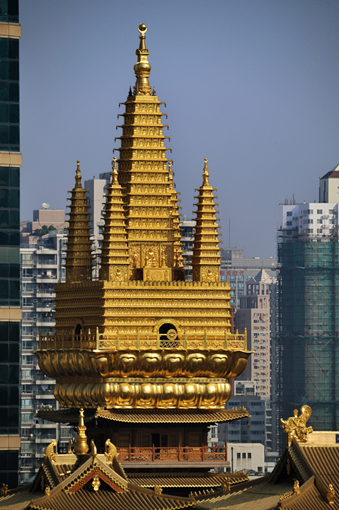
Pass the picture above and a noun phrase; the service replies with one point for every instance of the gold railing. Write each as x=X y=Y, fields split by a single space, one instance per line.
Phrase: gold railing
x=172 y=454
x=141 y=342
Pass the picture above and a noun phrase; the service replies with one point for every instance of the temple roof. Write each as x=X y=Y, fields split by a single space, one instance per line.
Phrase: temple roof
x=306 y=477
x=147 y=415
x=187 y=479
x=90 y=482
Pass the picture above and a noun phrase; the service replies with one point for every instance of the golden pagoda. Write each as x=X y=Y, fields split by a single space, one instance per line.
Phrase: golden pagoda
x=142 y=348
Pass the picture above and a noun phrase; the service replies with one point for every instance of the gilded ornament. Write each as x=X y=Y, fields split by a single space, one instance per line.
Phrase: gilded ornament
x=296 y=489
x=111 y=451
x=4 y=489
x=295 y=427
x=49 y=451
x=69 y=446
x=96 y=483
x=330 y=496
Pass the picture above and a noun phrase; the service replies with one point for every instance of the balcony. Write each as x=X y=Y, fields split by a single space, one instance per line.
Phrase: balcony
x=139 y=457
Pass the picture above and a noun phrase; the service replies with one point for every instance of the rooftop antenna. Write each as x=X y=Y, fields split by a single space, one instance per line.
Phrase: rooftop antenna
x=45 y=205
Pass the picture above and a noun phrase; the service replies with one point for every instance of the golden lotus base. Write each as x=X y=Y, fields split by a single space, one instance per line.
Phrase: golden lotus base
x=195 y=362
x=195 y=393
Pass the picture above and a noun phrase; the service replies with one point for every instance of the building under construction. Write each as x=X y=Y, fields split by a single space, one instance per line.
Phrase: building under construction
x=308 y=310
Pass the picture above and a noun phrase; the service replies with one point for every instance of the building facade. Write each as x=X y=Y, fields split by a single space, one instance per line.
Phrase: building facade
x=238 y=269
x=41 y=267
x=254 y=315
x=309 y=307
x=10 y=313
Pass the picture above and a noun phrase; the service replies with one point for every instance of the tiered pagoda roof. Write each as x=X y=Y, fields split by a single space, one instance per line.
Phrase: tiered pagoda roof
x=78 y=254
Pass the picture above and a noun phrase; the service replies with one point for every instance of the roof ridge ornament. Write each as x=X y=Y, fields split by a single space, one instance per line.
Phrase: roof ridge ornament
x=142 y=68
x=295 y=426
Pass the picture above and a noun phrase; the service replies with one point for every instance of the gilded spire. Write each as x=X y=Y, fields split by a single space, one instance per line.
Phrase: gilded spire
x=114 y=254
x=145 y=181
x=81 y=446
x=142 y=68
x=206 y=254
x=78 y=253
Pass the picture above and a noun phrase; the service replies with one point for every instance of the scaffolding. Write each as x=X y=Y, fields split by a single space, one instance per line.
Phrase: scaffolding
x=308 y=315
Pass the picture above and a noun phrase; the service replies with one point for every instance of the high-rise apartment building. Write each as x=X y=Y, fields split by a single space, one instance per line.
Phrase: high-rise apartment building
x=10 y=313
x=308 y=251
x=254 y=314
x=237 y=269
x=41 y=266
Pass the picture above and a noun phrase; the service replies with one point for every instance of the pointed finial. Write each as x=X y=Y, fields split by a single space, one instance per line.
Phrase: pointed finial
x=81 y=446
x=205 y=174
x=114 y=171
x=142 y=68
x=78 y=176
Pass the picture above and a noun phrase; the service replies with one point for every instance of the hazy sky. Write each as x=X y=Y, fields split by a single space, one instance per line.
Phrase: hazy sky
x=250 y=84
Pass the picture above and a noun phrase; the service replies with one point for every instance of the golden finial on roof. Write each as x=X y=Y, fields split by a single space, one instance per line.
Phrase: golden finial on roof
x=81 y=446
x=78 y=176
x=111 y=451
x=206 y=173
x=49 y=451
x=69 y=446
x=142 y=68
x=295 y=426
x=114 y=171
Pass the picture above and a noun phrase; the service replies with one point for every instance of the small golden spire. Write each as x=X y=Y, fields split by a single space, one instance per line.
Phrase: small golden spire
x=78 y=176
x=114 y=171
x=206 y=173
x=81 y=446
x=142 y=68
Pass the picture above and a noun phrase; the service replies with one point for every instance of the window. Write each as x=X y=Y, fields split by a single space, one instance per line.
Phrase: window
x=124 y=440
x=289 y=223
x=319 y=211
x=249 y=455
x=289 y=213
x=238 y=456
x=244 y=455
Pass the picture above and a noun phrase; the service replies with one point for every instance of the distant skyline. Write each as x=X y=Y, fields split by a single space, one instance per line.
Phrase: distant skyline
x=252 y=85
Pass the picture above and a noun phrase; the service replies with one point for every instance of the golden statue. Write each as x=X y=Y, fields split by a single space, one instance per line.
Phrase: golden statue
x=296 y=489
x=295 y=426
